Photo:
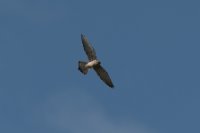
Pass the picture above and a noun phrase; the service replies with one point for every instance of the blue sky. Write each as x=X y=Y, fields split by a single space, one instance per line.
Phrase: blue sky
x=149 y=48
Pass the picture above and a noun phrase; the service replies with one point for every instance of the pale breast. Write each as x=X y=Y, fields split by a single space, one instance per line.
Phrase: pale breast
x=92 y=63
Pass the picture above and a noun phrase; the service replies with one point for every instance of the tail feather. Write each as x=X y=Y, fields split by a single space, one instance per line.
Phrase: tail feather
x=82 y=68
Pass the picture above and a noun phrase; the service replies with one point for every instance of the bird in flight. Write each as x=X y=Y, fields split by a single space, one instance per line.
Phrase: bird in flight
x=93 y=63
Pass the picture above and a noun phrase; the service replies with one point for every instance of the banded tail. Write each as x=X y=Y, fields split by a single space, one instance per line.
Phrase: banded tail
x=82 y=68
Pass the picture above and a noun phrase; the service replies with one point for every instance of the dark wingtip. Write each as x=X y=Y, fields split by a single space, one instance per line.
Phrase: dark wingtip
x=82 y=35
x=111 y=86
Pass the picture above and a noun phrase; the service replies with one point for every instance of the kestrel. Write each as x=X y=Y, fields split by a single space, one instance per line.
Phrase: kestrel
x=93 y=63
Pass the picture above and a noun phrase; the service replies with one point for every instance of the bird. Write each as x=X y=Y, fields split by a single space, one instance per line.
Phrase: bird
x=93 y=63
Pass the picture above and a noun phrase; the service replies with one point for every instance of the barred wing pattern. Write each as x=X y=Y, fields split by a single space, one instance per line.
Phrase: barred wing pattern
x=89 y=50
x=101 y=72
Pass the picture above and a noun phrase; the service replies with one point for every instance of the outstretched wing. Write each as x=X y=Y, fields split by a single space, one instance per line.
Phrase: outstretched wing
x=89 y=50
x=103 y=75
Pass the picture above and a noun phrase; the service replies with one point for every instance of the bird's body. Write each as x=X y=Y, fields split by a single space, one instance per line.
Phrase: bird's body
x=93 y=63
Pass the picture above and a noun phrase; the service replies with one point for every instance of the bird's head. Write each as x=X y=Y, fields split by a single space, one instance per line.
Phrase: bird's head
x=98 y=62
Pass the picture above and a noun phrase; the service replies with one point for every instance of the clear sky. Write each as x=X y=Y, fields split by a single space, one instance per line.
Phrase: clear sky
x=150 y=49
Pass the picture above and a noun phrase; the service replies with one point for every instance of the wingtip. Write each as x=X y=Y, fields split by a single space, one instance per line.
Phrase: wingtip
x=112 y=86
x=82 y=35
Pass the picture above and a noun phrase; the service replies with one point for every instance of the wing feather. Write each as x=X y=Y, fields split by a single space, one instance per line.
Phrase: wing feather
x=101 y=72
x=89 y=50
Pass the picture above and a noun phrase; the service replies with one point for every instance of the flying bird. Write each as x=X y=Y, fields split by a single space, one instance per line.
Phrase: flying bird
x=93 y=63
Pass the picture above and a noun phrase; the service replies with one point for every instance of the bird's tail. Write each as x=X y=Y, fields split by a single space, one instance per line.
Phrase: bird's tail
x=82 y=68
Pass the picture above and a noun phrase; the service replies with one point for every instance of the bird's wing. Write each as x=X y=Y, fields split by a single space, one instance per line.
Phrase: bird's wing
x=103 y=75
x=89 y=50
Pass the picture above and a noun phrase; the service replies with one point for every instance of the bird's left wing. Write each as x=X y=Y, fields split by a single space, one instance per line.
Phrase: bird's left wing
x=101 y=72
x=89 y=50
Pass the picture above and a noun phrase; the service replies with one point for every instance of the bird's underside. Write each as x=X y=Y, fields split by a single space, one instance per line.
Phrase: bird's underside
x=93 y=63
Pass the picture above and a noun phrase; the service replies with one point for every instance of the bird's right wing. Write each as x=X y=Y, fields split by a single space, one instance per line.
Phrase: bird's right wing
x=101 y=72
x=89 y=50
